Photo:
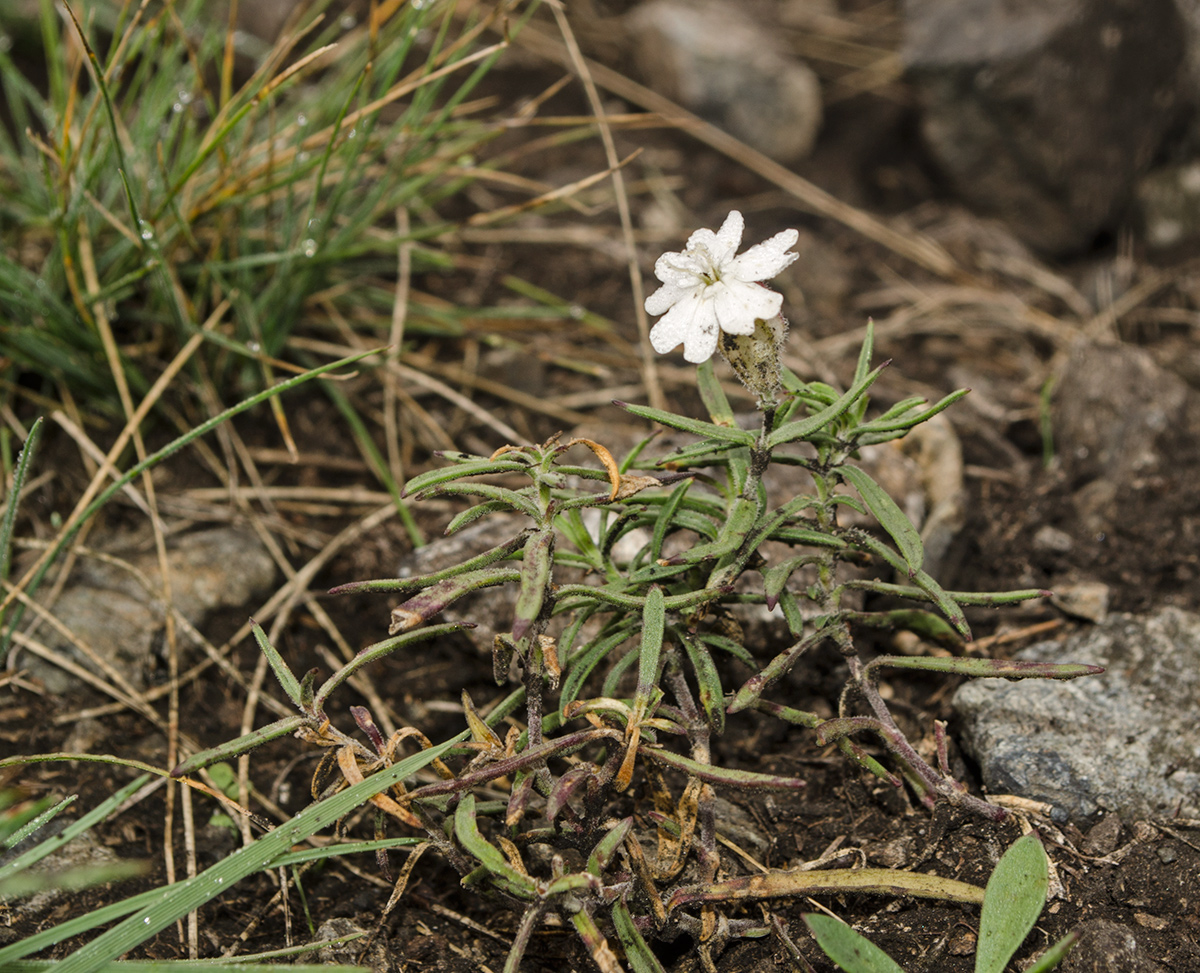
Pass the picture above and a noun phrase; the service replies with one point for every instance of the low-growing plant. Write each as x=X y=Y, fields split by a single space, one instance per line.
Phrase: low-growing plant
x=615 y=653
x=1012 y=902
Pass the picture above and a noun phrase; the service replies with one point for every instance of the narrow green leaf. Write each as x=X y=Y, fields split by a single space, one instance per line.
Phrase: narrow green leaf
x=165 y=906
x=466 y=830
x=862 y=368
x=882 y=429
x=606 y=847
x=640 y=957
x=864 y=354
x=20 y=473
x=923 y=623
x=72 y=831
x=852 y=952
x=536 y=574
x=713 y=774
x=666 y=518
x=1055 y=954
x=708 y=682
x=707 y=429
x=889 y=515
x=1012 y=902
x=989 y=668
x=403 y=585
x=654 y=620
x=15 y=829
x=489 y=492
x=283 y=672
x=377 y=651
x=461 y=471
x=796 y=431
x=243 y=744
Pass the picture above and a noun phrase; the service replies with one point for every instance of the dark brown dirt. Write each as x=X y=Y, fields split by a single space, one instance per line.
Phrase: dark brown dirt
x=1147 y=886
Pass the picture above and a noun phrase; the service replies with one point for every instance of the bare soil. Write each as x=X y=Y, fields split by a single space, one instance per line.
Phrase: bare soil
x=1143 y=876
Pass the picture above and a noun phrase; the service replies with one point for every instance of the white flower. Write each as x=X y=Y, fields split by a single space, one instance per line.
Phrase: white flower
x=707 y=288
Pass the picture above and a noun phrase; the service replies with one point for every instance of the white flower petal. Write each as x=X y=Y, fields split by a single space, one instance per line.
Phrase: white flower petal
x=678 y=323
x=729 y=237
x=702 y=239
x=701 y=340
x=738 y=304
x=680 y=269
x=765 y=260
x=661 y=300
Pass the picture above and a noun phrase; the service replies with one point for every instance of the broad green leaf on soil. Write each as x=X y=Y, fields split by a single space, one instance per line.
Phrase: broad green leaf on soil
x=852 y=952
x=1012 y=902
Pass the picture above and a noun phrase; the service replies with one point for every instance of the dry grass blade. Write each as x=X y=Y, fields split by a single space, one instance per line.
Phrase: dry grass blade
x=913 y=246
x=580 y=65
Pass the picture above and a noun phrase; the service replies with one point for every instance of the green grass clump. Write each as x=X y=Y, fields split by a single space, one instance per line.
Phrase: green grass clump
x=162 y=173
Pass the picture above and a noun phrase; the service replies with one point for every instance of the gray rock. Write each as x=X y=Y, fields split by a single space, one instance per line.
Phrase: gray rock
x=1124 y=741
x=1082 y=599
x=1045 y=114
x=1168 y=201
x=108 y=609
x=1108 y=947
x=1118 y=417
x=711 y=57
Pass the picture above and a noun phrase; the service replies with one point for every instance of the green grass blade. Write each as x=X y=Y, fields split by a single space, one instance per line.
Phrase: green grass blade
x=40 y=819
x=1055 y=954
x=176 y=901
x=72 y=831
x=20 y=473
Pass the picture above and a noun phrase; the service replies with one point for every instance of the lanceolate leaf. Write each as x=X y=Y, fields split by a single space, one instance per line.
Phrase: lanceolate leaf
x=466 y=830
x=708 y=682
x=654 y=619
x=283 y=672
x=1014 y=898
x=792 y=432
x=639 y=955
x=535 y=578
x=852 y=952
x=889 y=515
x=707 y=429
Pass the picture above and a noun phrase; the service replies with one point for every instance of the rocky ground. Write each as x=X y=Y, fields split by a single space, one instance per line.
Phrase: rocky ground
x=1011 y=197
